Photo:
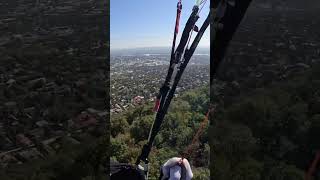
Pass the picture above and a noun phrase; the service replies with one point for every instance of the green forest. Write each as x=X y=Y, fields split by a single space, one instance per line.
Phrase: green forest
x=129 y=132
x=267 y=133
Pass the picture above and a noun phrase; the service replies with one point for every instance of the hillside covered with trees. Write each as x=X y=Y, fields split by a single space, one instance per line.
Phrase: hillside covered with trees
x=129 y=132
x=266 y=133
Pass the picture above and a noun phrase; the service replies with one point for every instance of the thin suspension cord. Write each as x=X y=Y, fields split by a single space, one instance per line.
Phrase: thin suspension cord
x=312 y=168
x=203 y=2
x=188 y=151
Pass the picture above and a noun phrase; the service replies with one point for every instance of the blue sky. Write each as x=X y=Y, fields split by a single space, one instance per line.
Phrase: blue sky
x=149 y=23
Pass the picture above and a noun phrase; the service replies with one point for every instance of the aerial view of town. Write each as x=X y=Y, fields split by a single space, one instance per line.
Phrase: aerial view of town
x=136 y=79
x=53 y=73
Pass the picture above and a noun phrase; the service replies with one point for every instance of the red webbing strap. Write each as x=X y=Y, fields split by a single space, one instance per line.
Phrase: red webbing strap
x=179 y=8
x=176 y=30
x=313 y=166
x=156 y=105
x=190 y=148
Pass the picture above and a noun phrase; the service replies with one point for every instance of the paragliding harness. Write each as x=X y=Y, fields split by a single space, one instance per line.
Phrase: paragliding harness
x=166 y=93
x=182 y=56
x=119 y=171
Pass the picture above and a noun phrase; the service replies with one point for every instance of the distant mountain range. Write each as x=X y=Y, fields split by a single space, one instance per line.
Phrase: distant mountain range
x=153 y=50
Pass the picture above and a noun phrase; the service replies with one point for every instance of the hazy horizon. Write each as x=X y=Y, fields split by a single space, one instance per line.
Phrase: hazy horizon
x=152 y=47
x=150 y=23
x=153 y=50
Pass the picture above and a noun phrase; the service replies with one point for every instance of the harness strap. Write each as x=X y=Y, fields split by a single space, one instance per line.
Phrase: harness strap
x=165 y=87
x=176 y=55
x=166 y=100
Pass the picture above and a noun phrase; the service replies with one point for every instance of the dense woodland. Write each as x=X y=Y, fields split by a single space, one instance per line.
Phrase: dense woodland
x=129 y=132
x=260 y=134
x=263 y=133
x=270 y=132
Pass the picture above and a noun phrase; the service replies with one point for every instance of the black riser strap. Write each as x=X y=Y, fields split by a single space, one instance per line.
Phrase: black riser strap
x=167 y=100
x=186 y=33
x=183 y=41
x=220 y=38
